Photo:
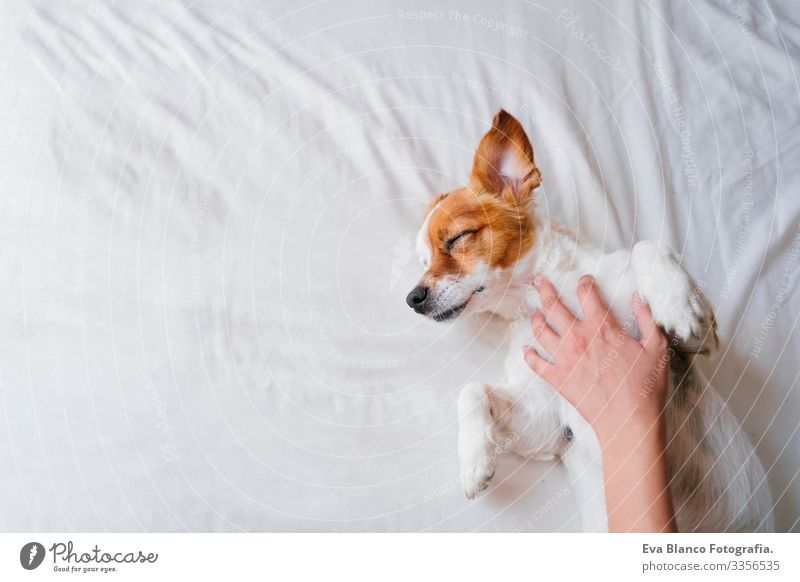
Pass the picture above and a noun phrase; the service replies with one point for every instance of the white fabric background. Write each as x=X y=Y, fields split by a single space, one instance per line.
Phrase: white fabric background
x=206 y=216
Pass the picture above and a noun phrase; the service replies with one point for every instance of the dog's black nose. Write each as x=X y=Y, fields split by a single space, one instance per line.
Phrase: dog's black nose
x=417 y=297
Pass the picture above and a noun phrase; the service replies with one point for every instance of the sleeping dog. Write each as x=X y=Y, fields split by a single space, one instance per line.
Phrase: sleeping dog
x=481 y=246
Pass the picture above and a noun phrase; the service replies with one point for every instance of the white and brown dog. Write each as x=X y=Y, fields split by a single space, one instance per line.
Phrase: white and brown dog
x=481 y=246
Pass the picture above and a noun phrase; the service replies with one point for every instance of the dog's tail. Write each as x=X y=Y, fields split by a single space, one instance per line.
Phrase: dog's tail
x=716 y=480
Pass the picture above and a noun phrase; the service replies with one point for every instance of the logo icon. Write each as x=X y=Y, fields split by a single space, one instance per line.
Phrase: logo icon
x=31 y=555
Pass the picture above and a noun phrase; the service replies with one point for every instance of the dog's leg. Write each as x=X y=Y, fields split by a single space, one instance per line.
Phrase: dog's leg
x=585 y=469
x=483 y=413
x=676 y=301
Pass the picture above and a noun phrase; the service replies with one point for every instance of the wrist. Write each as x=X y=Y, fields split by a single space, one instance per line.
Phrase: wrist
x=639 y=429
x=637 y=478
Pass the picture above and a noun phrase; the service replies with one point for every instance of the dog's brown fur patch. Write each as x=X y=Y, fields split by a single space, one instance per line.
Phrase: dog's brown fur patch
x=495 y=206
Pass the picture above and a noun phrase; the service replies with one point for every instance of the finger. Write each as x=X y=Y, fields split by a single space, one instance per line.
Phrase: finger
x=651 y=336
x=592 y=305
x=552 y=307
x=543 y=332
x=552 y=374
x=540 y=365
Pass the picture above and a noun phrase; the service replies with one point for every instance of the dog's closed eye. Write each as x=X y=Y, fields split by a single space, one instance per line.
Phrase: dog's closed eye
x=460 y=237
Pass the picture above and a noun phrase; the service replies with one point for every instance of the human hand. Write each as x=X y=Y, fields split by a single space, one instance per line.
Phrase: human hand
x=618 y=384
x=614 y=381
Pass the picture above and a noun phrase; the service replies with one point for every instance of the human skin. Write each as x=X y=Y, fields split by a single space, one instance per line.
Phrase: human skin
x=618 y=384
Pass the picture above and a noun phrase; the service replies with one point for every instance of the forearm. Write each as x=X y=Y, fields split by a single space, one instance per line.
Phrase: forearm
x=637 y=480
x=610 y=398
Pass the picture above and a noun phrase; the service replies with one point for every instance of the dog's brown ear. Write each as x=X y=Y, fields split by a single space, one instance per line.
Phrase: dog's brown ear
x=435 y=201
x=503 y=162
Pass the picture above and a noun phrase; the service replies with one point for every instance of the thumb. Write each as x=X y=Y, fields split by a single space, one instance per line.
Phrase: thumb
x=552 y=373
x=539 y=364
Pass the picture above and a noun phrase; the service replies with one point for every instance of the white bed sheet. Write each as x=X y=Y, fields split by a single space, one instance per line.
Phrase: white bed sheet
x=206 y=215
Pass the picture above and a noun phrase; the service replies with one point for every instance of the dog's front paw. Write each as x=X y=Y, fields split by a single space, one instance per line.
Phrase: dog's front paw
x=676 y=302
x=477 y=469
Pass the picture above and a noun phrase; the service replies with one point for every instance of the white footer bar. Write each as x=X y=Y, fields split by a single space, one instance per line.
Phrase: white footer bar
x=389 y=557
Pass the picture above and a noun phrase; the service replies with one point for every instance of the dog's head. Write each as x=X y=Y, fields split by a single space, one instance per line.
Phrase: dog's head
x=473 y=234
